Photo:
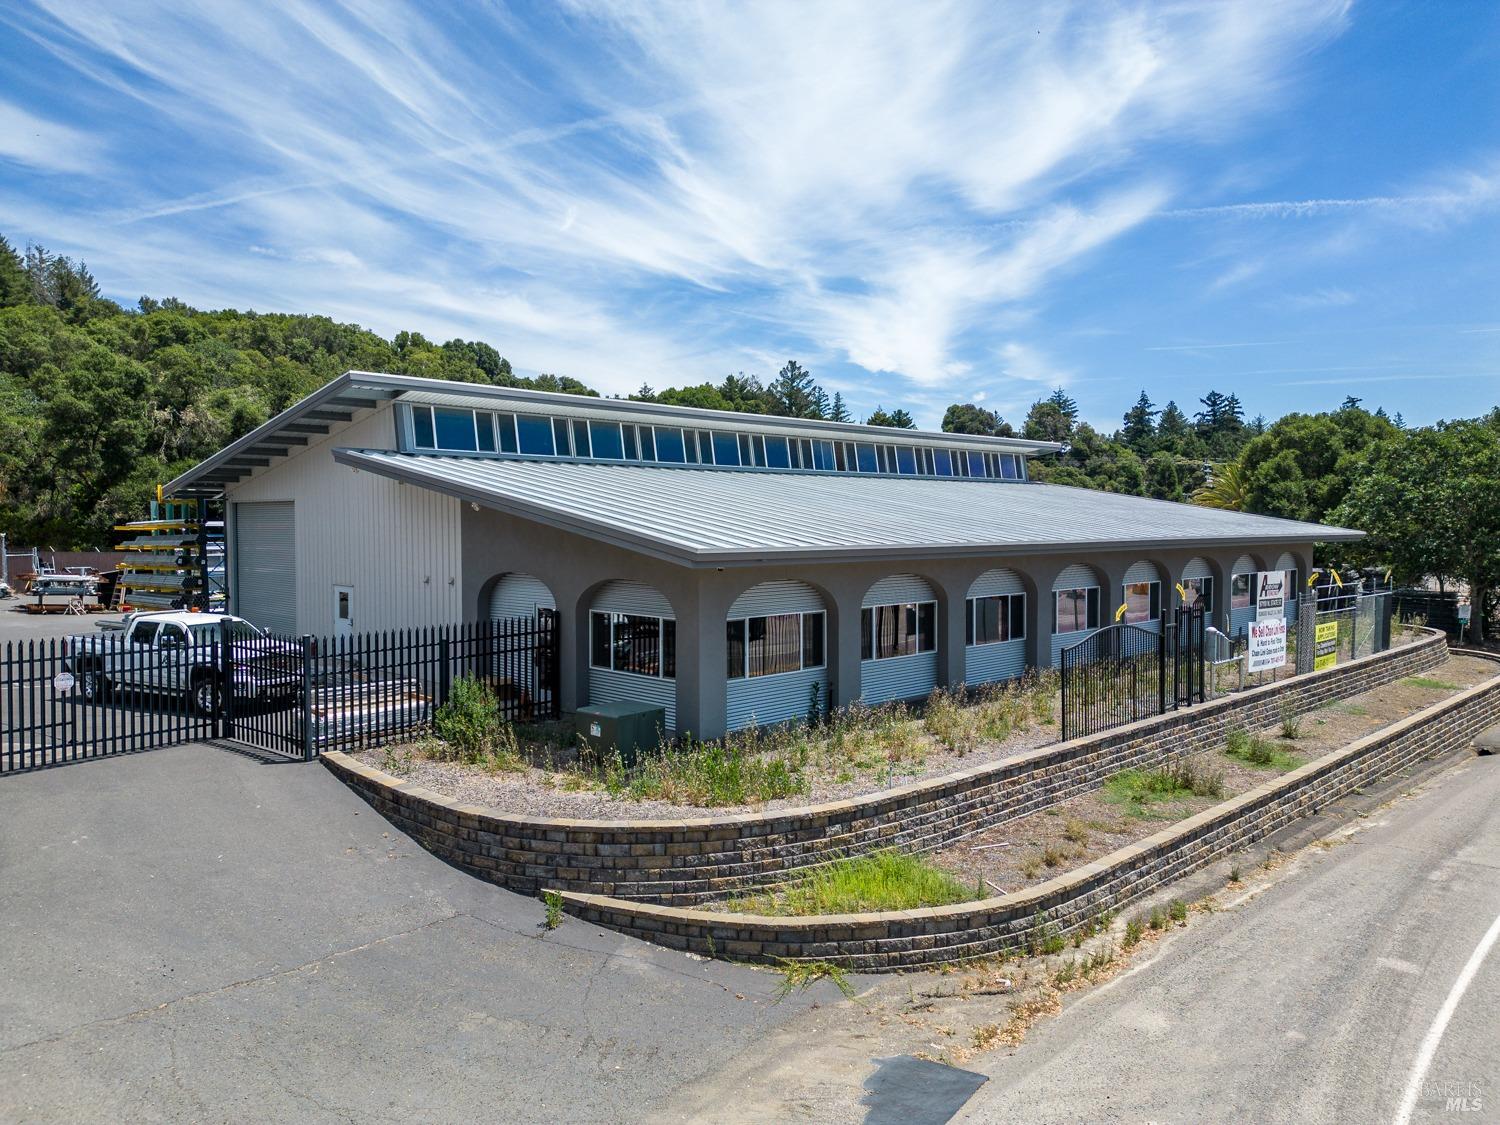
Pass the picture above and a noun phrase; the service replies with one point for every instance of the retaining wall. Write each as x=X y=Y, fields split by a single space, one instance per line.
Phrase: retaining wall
x=916 y=939
x=685 y=862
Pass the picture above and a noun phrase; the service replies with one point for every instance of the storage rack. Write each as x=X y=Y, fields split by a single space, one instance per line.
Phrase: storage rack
x=173 y=560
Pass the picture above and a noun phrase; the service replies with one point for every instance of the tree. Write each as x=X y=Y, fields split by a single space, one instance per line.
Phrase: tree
x=1163 y=482
x=967 y=418
x=792 y=392
x=899 y=419
x=1172 y=431
x=15 y=287
x=1303 y=464
x=1139 y=431
x=1052 y=418
x=838 y=412
x=1429 y=501
x=1225 y=489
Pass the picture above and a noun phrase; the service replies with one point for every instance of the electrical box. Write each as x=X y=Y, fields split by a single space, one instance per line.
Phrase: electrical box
x=631 y=728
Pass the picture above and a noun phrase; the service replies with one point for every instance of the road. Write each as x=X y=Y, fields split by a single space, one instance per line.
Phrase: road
x=1308 y=1003
x=192 y=935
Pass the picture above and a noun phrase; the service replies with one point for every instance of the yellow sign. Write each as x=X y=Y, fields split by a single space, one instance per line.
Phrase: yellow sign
x=1337 y=579
x=1119 y=613
x=1181 y=593
x=1326 y=645
x=1313 y=577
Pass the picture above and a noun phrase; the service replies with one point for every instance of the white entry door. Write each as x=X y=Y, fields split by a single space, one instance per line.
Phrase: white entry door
x=343 y=611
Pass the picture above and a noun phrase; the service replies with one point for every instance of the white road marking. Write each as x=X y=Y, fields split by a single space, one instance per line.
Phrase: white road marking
x=1434 y=1036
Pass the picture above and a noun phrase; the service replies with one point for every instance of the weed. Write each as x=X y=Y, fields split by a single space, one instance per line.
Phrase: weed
x=799 y=976
x=1076 y=831
x=1031 y=867
x=1045 y=938
x=1054 y=857
x=553 y=902
x=1066 y=972
x=1428 y=682
x=1261 y=753
x=1177 y=910
x=1134 y=931
x=985 y=1036
x=956 y=727
x=1158 y=919
x=1234 y=874
x=469 y=719
x=1291 y=724
x=1180 y=778
x=1101 y=958
x=883 y=880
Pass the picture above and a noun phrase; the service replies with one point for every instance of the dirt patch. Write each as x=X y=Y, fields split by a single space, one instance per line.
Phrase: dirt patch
x=1024 y=852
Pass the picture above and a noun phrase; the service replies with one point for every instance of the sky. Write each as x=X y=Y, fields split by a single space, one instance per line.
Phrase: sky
x=922 y=203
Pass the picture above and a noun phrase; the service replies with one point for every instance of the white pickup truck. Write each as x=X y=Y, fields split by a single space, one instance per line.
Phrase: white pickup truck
x=177 y=653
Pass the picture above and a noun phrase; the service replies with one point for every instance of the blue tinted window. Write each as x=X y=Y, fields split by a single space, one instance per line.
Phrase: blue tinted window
x=823 y=455
x=455 y=429
x=581 y=446
x=669 y=446
x=484 y=424
x=906 y=460
x=560 y=432
x=632 y=449
x=942 y=463
x=976 y=464
x=606 y=439
x=421 y=417
x=726 y=449
x=867 y=462
x=1010 y=466
x=777 y=456
x=507 y=426
x=535 y=433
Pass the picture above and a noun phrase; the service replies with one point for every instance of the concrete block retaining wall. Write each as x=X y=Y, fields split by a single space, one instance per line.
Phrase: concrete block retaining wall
x=917 y=939
x=686 y=862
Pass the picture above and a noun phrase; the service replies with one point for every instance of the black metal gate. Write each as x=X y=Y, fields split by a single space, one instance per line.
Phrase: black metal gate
x=1126 y=672
x=101 y=694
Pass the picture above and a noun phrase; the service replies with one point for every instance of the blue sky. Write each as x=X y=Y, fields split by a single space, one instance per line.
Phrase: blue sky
x=924 y=203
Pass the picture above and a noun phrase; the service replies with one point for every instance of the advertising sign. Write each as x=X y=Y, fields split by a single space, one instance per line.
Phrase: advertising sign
x=1326 y=641
x=1270 y=594
x=1267 y=644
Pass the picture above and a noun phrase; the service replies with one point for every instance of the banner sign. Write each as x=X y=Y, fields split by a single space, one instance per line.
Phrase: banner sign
x=1267 y=644
x=1270 y=595
x=1326 y=640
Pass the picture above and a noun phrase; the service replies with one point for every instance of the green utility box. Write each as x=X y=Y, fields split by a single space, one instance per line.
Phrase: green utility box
x=631 y=728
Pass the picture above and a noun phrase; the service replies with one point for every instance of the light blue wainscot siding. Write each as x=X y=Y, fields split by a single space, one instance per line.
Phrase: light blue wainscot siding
x=1074 y=577
x=787 y=696
x=1003 y=660
x=899 y=677
x=1140 y=572
x=1239 y=619
x=606 y=686
x=519 y=595
x=1294 y=581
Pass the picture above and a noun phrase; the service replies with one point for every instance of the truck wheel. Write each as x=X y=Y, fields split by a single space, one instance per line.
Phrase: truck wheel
x=205 y=697
x=92 y=685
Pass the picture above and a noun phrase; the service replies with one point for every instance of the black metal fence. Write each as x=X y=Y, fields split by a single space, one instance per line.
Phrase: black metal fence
x=97 y=695
x=1122 y=673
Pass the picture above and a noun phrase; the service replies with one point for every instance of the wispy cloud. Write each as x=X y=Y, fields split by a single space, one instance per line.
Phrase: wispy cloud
x=45 y=145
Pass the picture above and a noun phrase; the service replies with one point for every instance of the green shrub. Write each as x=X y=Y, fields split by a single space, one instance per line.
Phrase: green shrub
x=469 y=721
x=883 y=880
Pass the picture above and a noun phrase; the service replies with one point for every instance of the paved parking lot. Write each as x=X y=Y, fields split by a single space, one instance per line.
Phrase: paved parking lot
x=18 y=625
x=192 y=934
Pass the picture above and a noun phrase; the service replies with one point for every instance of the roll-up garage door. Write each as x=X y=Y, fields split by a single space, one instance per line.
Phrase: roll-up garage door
x=265 y=562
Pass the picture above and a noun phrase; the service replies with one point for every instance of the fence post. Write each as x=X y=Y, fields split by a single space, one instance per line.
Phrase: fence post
x=1062 y=668
x=445 y=670
x=307 y=686
x=226 y=681
x=1161 y=666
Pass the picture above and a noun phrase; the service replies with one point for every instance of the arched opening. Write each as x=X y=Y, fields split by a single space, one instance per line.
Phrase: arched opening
x=1198 y=586
x=1242 y=594
x=1077 y=607
x=518 y=595
x=995 y=627
x=776 y=652
x=521 y=665
x=1142 y=595
x=632 y=640
x=898 y=639
x=1287 y=563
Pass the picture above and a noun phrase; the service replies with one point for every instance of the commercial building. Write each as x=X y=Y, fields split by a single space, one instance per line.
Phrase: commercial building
x=733 y=568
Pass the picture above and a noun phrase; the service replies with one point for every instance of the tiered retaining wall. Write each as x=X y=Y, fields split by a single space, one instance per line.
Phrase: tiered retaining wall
x=917 y=939
x=685 y=862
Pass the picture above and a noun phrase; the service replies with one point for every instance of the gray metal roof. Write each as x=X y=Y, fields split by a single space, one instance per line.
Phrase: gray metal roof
x=337 y=402
x=727 y=517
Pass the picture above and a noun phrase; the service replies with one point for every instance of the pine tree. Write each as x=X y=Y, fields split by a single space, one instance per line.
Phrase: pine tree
x=820 y=404
x=1172 y=429
x=15 y=287
x=838 y=412
x=791 y=392
x=1140 y=424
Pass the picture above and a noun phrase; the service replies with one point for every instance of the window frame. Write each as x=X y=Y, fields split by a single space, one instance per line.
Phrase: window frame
x=1153 y=601
x=1204 y=588
x=867 y=629
x=1013 y=615
x=745 y=642
x=1091 y=598
x=666 y=654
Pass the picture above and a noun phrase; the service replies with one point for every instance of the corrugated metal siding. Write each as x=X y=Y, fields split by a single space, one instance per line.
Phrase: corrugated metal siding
x=1142 y=572
x=397 y=546
x=520 y=595
x=265 y=543
x=773 y=699
x=900 y=677
x=1076 y=577
x=633 y=597
x=1288 y=563
x=1239 y=619
x=990 y=664
x=1197 y=568
x=998 y=581
x=777 y=597
x=606 y=686
x=898 y=589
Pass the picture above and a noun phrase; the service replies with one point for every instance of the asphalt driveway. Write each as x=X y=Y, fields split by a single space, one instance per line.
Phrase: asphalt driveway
x=191 y=934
